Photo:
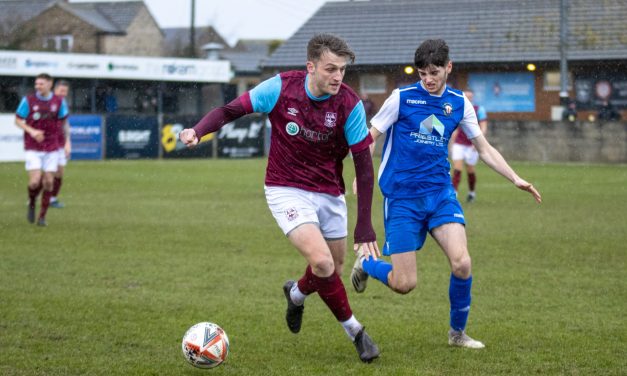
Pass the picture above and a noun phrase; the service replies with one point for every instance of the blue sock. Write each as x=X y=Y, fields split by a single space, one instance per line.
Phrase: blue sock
x=378 y=269
x=459 y=295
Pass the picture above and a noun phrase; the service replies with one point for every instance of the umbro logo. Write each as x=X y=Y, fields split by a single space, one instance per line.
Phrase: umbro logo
x=292 y=111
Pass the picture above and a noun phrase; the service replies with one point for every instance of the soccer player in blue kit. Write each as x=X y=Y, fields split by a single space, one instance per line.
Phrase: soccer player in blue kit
x=414 y=177
x=316 y=119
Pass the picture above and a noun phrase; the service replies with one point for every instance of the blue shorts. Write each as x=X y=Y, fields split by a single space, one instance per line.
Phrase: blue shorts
x=407 y=220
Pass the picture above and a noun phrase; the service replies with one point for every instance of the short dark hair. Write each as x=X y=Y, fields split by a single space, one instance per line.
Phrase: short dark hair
x=431 y=52
x=45 y=76
x=328 y=42
x=65 y=83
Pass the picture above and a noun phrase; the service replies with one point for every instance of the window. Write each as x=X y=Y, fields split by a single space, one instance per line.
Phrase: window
x=59 y=43
x=552 y=81
x=373 y=84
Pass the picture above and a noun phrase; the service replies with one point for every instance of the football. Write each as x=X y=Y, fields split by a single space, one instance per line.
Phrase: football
x=205 y=345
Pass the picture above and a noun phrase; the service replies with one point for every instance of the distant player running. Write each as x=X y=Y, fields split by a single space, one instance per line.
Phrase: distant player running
x=316 y=120
x=61 y=89
x=414 y=177
x=41 y=115
x=463 y=151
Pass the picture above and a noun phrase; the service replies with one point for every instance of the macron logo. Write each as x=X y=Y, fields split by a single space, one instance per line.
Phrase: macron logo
x=416 y=101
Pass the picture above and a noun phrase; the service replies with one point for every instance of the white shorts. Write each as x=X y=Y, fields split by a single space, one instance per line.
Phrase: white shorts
x=467 y=153
x=41 y=160
x=61 y=158
x=292 y=207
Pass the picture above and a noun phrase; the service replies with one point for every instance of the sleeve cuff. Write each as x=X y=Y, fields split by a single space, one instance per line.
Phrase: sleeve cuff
x=362 y=145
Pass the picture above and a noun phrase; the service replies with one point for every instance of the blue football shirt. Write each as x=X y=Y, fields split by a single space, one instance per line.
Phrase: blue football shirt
x=418 y=128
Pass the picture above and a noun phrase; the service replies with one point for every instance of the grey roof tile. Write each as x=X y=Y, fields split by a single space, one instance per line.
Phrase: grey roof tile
x=388 y=31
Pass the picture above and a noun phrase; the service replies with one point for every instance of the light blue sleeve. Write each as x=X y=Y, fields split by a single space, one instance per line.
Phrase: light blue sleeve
x=23 y=109
x=355 y=129
x=481 y=114
x=265 y=95
x=63 y=111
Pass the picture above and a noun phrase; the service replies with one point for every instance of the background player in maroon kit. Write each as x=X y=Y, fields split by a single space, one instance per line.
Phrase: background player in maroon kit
x=316 y=120
x=61 y=89
x=463 y=152
x=39 y=115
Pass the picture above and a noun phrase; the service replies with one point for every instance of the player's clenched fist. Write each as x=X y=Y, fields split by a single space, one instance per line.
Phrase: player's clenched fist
x=188 y=137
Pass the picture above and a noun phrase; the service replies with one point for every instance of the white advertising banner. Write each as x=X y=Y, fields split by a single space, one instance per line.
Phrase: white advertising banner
x=11 y=139
x=27 y=63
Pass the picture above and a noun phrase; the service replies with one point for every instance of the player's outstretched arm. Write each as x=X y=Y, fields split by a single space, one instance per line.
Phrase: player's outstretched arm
x=216 y=119
x=365 y=235
x=490 y=156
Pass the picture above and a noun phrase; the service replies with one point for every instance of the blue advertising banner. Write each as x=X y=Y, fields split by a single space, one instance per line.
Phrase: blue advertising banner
x=504 y=92
x=132 y=137
x=86 y=137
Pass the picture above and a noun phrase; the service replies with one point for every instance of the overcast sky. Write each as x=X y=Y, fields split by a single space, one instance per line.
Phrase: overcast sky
x=236 y=19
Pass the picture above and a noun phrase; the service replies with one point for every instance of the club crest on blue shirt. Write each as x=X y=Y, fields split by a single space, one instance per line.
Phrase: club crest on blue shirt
x=329 y=119
x=447 y=109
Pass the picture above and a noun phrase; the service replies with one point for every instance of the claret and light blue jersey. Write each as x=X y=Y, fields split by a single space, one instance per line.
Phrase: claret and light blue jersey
x=311 y=135
x=418 y=128
x=265 y=96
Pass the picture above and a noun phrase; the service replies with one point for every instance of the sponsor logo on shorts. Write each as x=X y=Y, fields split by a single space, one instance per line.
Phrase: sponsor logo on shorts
x=291 y=214
x=292 y=128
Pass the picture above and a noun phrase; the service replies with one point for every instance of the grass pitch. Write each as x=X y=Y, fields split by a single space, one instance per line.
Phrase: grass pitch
x=145 y=249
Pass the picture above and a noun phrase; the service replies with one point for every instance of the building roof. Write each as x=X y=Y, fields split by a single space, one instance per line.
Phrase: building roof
x=13 y=13
x=109 y=17
x=247 y=56
x=388 y=31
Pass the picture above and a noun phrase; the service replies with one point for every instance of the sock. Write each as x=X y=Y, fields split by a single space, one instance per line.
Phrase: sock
x=296 y=295
x=330 y=289
x=352 y=327
x=56 y=187
x=457 y=177
x=378 y=269
x=459 y=296
x=32 y=195
x=45 y=201
x=472 y=180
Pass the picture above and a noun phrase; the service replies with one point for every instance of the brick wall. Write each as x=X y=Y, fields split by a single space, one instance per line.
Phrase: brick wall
x=56 y=21
x=143 y=38
x=596 y=142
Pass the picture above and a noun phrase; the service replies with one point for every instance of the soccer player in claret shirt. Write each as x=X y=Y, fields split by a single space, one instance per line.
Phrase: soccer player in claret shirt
x=464 y=153
x=414 y=177
x=41 y=115
x=316 y=120
x=61 y=89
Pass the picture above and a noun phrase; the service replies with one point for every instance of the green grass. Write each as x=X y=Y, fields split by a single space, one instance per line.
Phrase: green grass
x=145 y=249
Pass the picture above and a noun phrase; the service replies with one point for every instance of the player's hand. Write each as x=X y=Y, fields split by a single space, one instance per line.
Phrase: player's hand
x=526 y=186
x=370 y=249
x=355 y=186
x=37 y=134
x=188 y=137
x=68 y=150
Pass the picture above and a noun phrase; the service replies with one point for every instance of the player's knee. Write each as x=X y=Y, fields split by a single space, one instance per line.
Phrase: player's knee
x=462 y=267
x=403 y=285
x=33 y=184
x=323 y=266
